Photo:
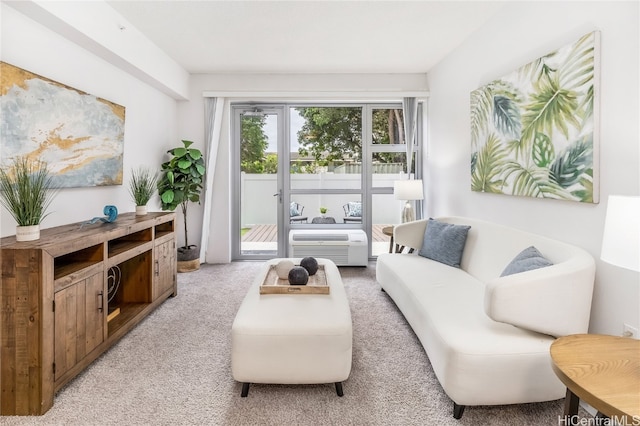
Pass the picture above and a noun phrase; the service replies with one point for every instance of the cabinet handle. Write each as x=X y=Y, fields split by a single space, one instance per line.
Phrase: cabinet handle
x=100 y=306
x=157 y=268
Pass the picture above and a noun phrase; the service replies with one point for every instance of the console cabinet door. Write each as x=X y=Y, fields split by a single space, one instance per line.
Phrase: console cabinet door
x=165 y=268
x=79 y=322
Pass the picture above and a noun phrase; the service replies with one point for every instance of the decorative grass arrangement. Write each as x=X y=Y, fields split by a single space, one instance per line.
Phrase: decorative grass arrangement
x=142 y=185
x=27 y=190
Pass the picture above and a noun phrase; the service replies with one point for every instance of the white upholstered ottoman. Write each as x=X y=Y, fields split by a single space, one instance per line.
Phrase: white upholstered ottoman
x=293 y=338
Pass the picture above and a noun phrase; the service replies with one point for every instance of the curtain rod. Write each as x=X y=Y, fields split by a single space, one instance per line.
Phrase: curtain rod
x=382 y=95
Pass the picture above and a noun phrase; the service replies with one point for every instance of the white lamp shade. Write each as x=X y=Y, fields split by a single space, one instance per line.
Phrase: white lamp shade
x=408 y=189
x=621 y=239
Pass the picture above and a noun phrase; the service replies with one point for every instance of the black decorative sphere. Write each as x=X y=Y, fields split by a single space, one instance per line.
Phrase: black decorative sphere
x=310 y=264
x=298 y=276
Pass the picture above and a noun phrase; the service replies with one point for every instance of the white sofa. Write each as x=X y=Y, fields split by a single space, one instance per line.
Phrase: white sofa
x=487 y=336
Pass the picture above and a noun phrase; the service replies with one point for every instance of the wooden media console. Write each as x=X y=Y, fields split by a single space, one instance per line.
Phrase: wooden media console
x=54 y=309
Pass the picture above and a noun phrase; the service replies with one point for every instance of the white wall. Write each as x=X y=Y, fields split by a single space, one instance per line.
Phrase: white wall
x=150 y=122
x=518 y=34
x=267 y=87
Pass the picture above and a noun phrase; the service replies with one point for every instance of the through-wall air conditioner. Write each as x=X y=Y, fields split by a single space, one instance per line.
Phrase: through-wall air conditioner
x=348 y=247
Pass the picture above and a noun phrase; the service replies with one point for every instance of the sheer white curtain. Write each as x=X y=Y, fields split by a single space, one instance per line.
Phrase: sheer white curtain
x=213 y=109
x=410 y=112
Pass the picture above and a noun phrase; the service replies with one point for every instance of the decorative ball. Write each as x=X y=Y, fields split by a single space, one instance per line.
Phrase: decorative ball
x=298 y=276
x=310 y=264
x=282 y=269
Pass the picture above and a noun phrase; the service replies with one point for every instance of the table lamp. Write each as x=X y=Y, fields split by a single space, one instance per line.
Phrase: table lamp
x=621 y=239
x=408 y=190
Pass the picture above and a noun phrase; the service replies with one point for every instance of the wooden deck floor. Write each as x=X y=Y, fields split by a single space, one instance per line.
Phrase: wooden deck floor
x=268 y=233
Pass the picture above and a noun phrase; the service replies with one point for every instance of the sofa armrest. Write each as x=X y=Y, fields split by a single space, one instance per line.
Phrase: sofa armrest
x=555 y=300
x=410 y=234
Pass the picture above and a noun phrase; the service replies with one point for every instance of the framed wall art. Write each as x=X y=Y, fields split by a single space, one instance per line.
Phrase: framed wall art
x=534 y=132
x=79 y=136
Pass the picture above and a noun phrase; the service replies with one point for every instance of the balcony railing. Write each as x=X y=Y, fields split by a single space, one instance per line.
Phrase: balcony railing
x=259 y=206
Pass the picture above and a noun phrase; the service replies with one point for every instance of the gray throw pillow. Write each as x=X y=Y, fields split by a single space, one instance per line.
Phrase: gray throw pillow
x=444 y=242
x=527 y=260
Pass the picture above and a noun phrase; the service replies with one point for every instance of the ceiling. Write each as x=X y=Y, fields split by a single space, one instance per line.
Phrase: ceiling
x=339 y=36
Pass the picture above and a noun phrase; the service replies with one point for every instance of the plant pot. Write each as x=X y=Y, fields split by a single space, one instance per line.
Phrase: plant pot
x=141 y=210
x=188 y=258
x=28 y=233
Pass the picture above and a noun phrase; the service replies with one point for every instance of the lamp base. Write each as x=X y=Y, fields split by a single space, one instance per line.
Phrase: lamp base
x=408 y=214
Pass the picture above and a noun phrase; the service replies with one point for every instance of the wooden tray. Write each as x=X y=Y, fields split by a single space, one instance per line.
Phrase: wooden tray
x=273 y=285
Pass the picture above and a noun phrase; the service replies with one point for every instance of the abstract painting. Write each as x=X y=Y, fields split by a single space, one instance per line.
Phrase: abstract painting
x=79 y=136
x=534 y=132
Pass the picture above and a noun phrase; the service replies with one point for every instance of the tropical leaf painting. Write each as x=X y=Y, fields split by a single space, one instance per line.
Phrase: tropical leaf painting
x=533 y=132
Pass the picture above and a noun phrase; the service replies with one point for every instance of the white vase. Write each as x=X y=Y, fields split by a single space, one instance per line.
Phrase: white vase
x=141 y=210
x=27 y=233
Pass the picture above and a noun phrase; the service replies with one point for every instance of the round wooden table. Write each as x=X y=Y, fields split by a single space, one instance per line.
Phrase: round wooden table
x=603 y=371
x=388 y=230
x=323 y=220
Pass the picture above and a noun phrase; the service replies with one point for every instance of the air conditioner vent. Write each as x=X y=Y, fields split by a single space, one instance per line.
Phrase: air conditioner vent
x=347 y=247
x=338 y=254
x=320 y=237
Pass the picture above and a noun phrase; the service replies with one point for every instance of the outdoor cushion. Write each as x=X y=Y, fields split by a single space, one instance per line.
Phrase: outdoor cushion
x=293 y=210
x=355 y=209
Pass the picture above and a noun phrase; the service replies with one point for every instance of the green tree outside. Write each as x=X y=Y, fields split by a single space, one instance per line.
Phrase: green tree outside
x=329 y=136
x=253 y=144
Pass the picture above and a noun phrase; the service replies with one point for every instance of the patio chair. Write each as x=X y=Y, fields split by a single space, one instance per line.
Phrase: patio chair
x=295 y=213
x=352 y=212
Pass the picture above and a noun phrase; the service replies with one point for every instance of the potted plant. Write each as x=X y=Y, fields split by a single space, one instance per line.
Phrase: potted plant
x=323 y=211
x=26 y=191
x=141 y=187
x=180 y=184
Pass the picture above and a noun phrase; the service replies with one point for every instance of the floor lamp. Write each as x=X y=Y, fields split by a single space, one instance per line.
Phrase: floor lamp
x=408 y=190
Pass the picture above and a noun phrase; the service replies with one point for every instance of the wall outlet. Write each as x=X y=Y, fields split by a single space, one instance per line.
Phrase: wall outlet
x=629 y=331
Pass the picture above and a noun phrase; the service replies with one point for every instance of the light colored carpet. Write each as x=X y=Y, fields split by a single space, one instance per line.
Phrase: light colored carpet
x=174 y=369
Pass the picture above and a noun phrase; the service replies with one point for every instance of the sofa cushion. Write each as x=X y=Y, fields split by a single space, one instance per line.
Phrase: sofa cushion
x=527 y=260
x=444 y=242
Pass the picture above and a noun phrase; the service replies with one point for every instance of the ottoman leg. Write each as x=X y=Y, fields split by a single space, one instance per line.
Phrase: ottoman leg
x=339 y=389
x=245 y=390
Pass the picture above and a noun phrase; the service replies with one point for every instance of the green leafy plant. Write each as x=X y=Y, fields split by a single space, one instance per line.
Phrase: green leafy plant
x=181 y=181
x=27 y=190
x=142 y=185
x=323 y=210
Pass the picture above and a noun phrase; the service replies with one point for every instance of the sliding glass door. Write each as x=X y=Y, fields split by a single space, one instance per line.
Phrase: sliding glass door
x=309 y=166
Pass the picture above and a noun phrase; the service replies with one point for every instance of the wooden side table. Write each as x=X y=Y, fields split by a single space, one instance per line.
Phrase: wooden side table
x=603 y=371
x=388 y=230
